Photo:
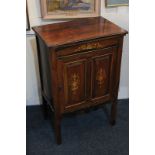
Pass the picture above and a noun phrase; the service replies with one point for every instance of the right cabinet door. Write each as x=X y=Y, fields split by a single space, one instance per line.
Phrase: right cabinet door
x=103 y=65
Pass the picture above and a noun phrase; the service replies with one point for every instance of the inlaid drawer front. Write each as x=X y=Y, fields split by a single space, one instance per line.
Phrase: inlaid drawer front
x=90 y=45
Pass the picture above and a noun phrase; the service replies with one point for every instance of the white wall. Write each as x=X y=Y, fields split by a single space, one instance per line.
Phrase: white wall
x=119 y=15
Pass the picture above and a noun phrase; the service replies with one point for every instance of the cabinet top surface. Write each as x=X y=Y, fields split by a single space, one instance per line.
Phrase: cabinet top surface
x=77 y=30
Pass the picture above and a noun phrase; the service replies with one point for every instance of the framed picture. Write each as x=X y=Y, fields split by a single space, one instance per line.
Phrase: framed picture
x=113 y=3
x=59 y=9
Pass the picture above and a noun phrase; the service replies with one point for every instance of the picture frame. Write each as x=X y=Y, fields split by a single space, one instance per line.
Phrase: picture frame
x=65 y=9
x=115 y=3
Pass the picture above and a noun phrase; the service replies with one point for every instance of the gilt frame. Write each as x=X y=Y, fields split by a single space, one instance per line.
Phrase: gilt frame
x=69 y=14
x=115 y=4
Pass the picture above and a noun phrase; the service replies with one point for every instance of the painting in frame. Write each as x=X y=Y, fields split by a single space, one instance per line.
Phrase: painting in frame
x=114 y=3
x=60 y=9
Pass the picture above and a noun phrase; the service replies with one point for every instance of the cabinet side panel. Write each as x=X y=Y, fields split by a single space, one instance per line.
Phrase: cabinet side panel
x=117 y=69
x=44 y=68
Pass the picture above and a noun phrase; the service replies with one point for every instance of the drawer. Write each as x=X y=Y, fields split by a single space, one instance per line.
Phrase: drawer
x=85 y=46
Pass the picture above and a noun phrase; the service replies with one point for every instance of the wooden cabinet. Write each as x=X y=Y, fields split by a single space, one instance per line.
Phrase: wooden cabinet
x=79 y=65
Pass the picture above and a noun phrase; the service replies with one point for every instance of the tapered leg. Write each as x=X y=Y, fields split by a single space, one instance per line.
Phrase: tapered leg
x=113 y=112
x=57 y=126
x=45 y=108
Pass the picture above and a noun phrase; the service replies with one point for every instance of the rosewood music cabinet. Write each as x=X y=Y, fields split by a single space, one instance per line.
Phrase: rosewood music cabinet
x=79 y=64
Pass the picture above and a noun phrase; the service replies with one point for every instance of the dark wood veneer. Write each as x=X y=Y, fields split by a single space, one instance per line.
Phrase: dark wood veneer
x=79 y=65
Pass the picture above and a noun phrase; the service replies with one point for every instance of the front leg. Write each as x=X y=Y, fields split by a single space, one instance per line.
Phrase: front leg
x=114 y=106
x=45 y=108
x=113 y=112
x=57 y=127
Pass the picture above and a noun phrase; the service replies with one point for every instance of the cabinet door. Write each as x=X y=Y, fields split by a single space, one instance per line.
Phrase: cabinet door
x=85 y=78
x=72 y=78
x=102 y=75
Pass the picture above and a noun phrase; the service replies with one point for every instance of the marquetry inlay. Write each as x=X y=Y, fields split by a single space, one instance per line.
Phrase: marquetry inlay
x=100 y=77
x=75 y=82
x=89 y=46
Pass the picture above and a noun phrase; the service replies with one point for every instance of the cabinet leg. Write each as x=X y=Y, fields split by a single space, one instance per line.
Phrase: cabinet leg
x=57 y=126
x=113 y=113
x=45 y=108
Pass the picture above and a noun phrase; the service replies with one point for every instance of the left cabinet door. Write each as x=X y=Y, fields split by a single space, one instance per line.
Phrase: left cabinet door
x=72 y=79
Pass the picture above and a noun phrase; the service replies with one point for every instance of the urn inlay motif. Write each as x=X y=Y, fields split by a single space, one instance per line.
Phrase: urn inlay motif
x=101 y=76
x=75 y=82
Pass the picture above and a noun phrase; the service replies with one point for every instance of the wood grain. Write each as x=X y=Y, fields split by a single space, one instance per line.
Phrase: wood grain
x=77 y=30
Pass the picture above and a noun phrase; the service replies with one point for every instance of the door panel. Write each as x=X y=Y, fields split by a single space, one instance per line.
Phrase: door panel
x=73 y=73
x=102 y=74
x=75 y=81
